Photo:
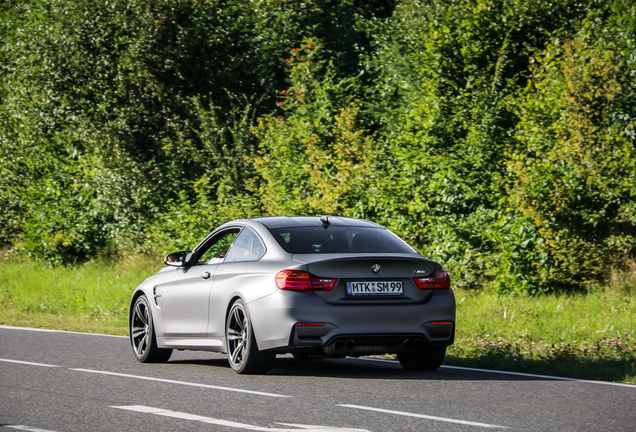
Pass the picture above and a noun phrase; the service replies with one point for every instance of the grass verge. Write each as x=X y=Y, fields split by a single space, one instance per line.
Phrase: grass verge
x=92 y=297
x=578 y=336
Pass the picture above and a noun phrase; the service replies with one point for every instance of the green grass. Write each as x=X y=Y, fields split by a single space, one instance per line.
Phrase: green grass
x=93 y=297
x=581 y=336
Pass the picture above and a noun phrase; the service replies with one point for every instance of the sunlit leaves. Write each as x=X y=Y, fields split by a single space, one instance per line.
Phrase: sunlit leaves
x=571 y=178
x=495 y=136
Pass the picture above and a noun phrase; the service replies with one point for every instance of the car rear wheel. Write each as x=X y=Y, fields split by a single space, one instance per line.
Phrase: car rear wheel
x=242 y=350
x=425 y=358
x=142 y=334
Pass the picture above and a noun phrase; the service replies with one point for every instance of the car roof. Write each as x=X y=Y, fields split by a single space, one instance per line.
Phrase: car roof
x=273 y=222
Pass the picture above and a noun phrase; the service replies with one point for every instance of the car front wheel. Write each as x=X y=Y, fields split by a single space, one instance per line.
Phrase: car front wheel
x=142 y=334
x=242 y=350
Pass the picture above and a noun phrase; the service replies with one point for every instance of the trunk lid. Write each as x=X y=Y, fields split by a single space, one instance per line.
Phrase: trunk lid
x=358 y=275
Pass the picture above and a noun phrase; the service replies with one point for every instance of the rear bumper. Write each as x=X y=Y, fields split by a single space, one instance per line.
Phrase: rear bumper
x=369 y=344
x=300 y=320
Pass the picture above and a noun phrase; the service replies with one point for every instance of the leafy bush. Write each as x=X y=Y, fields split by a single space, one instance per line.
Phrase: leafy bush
x=474 y=104
x=495 y=136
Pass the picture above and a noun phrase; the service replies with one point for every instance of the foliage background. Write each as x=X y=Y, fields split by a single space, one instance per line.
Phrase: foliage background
x=497 y=137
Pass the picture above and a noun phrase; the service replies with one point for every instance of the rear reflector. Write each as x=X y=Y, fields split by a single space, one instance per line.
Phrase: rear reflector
x=310 y=325
x=438 y=280
x=442 y=323
x=297 y=280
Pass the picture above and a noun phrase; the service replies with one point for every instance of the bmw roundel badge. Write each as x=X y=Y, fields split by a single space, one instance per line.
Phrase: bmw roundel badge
x=376 y=268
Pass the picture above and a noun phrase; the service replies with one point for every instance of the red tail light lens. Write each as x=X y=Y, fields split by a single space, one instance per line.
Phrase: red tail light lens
x=438 y=280
x=293 y=280
x=297 y=280
x=321 y=284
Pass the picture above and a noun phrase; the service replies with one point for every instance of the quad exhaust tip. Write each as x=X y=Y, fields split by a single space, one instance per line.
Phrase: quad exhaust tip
x=344 y=346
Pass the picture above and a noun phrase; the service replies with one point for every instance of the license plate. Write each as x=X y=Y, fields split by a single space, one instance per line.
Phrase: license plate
x=374 y=288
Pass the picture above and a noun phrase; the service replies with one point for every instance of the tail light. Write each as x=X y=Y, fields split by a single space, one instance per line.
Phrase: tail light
x=297 y=280
x=438 y=280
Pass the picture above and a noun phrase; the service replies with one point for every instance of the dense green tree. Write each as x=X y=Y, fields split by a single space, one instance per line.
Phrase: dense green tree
x=574 y=175
x=496 y=136
x=443 y=103
x=113 y=110
x=312 y=159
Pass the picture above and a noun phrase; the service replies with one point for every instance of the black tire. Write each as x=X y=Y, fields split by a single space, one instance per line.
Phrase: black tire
x=142 y=334
x=242 y=350
x=426 y=358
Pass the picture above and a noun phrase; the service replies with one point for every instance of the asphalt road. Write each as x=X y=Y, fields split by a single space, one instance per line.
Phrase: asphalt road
x=62 y=382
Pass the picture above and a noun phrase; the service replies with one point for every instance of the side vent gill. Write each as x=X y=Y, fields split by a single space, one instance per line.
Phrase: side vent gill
x=156 y=296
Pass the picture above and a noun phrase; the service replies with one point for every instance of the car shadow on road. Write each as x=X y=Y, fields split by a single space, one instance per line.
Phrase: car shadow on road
x=549 y=369
x=369 y=368
x=363 y=368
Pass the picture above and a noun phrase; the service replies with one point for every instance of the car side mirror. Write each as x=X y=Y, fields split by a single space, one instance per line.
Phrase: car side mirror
x=176 y=259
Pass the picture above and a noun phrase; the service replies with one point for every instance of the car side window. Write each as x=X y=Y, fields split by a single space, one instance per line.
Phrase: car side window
x=248 y=246
x=219 y=246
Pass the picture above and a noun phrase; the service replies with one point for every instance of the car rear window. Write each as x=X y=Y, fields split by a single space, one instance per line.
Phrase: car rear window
x=335 y=239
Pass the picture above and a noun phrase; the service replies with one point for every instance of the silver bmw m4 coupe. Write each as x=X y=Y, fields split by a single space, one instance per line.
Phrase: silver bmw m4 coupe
x=310 y=286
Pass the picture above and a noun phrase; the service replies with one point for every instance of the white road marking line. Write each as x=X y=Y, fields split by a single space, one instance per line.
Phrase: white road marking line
x=28 y=363
x=322 y=428
x=2 y=326
x=427 y=417
x=226 y=423
x=541 y=376
x=511 y=373
x=186 y=383
x=26 y=428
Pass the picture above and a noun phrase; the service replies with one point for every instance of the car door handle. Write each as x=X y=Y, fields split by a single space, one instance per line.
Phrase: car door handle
x=205 y=275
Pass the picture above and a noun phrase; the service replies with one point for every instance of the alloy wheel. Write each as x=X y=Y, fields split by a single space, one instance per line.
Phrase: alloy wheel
x=237 y=335
x=140 y=328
